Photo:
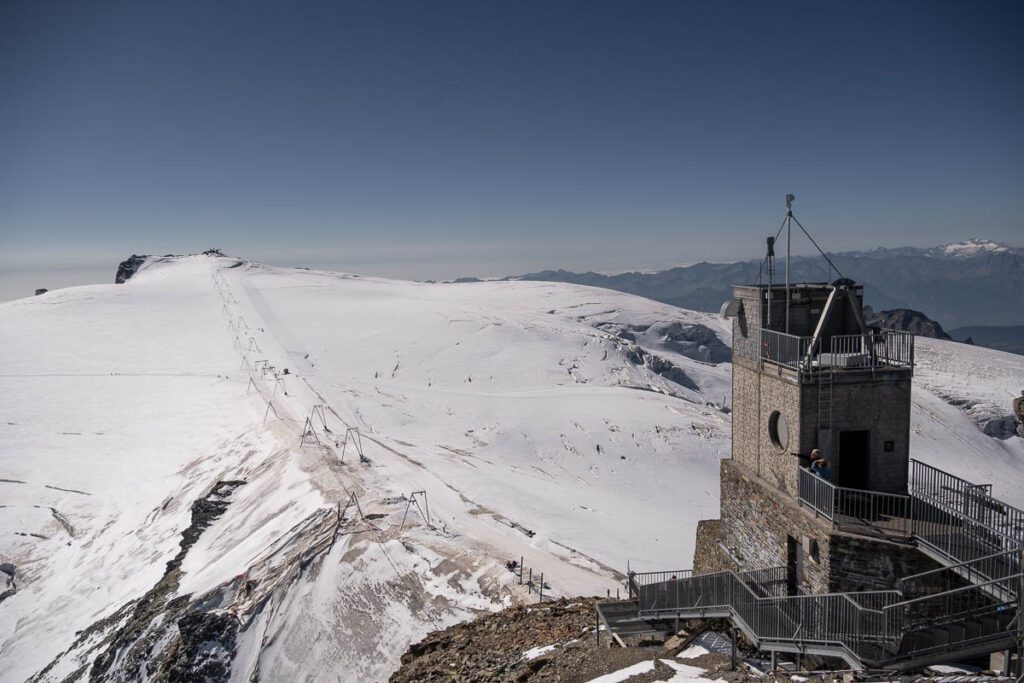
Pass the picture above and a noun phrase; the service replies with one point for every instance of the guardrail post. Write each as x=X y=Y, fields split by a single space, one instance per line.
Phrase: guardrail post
x=732 y=654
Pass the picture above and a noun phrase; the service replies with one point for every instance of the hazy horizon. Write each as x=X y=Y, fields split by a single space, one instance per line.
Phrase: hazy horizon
x=21 y=280
x=486 y=139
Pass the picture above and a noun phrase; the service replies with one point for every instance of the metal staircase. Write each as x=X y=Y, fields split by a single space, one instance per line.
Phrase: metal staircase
x=968 y=607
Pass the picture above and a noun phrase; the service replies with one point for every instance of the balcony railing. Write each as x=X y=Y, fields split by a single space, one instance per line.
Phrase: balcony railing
x=855 y=510
x=879 y=349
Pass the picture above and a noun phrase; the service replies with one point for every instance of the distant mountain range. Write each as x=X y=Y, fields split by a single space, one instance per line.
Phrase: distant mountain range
x=1008 y=338
x=976 y=282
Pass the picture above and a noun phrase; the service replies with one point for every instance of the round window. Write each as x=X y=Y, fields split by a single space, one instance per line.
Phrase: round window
x=778 y=430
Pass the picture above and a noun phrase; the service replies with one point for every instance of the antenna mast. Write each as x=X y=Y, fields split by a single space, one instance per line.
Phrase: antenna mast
x=770 y=259
x=789 y=242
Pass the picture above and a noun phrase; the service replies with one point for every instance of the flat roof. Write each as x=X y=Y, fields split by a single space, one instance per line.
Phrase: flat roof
x=798 y=285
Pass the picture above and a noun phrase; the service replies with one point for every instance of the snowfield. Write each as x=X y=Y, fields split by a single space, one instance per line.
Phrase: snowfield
x=576 y=428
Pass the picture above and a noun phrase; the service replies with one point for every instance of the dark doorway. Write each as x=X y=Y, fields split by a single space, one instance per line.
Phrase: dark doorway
x=854 y=459
x=794 y=566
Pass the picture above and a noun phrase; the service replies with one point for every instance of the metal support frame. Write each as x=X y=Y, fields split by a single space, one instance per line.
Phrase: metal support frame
x=414 y=499
x=307 y=432
x=352 y=434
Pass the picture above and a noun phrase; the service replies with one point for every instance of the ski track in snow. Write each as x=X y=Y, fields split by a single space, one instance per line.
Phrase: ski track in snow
x=512 y=404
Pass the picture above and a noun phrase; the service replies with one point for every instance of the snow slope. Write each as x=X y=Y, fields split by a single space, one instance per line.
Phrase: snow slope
x=493 y=398
x=574 y=427
x=958 y=389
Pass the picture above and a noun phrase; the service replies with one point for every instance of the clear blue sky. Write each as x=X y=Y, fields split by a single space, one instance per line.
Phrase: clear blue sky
x=436 y=139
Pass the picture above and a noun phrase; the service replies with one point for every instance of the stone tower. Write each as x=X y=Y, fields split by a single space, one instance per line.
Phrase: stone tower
x=809 y=374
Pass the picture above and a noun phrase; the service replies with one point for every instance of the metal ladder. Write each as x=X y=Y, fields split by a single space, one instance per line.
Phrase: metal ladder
x=825 y=441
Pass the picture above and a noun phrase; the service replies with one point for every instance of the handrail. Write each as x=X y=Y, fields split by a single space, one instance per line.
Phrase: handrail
x=876 y=349
x=848 y=508
x=879 y=626
x=951 y=567
x=953 y=591
x=818 y=619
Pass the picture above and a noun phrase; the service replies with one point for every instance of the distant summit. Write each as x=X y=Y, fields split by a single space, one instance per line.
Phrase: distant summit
x=907 y=320
x=974 y=247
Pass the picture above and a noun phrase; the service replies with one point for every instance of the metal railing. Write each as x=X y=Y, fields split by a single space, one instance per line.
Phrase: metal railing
x=873 y=627
x=766 y=583
x=893 y=347
x=877 y=349
x=854 y=510
x=785 y=349
x=817 y=493
x=971 y=601
x=972 y=504
x=996 y=570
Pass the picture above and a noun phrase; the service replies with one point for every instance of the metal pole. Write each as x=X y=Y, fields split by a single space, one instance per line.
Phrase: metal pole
x=732 y=654
x=541 y=587
x=520 y=570
x=789 y=241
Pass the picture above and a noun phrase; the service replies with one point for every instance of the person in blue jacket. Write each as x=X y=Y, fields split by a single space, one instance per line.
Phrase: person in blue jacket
x=819 y=465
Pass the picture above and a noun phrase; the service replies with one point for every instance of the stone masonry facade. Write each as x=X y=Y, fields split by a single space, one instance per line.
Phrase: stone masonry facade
x=758 y=524
x=879 y=402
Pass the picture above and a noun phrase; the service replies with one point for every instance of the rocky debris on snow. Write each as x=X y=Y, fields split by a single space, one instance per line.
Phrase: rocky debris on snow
x=906 y=320
x=556 y=642
x=9 y=587
x=542 y=642
x=660 y=366
x=127 y=268
x=692 y=340
x=161 y=637
x=992 y=420
x=41 y=290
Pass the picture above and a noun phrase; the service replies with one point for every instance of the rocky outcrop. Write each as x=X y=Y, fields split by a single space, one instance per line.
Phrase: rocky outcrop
x=553 y=642
x=127 y=268
x=907 y=320
x=41 y=290
x=992 y=420
x=161 y=636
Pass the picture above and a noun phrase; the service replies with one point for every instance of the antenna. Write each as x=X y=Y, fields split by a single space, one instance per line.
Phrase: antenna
x=789 y=243
x=770 y=260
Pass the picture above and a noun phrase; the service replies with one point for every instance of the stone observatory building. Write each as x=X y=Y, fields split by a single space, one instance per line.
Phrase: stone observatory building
x=832 y=541
x=830 y=385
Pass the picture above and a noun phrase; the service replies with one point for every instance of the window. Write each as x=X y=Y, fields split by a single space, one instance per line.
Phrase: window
x=890 y=446
x=778 y=430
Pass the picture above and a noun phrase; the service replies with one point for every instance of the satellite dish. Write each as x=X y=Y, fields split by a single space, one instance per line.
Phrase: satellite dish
x=789 y=201
x=731 y=308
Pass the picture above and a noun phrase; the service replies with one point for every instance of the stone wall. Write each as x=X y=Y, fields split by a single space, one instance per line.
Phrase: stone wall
x=708 y=556
x=865 y=564
x=756 y=395
x=878 y=402
x=758 y=524
x=746 y=326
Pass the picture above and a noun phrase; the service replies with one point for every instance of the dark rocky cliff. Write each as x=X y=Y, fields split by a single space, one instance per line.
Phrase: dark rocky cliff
x=908 y=320
x=127 y=268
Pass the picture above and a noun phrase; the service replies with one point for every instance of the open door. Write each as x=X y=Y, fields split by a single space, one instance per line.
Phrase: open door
x=854 y=470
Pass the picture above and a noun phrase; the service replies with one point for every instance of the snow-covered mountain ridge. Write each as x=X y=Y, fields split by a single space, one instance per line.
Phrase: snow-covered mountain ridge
x=574 y=427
